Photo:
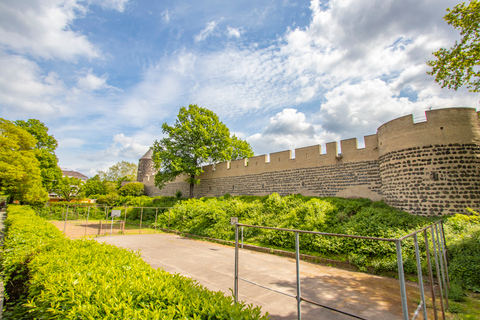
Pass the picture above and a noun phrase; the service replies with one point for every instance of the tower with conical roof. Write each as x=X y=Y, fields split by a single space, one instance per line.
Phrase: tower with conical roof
x=145 y=166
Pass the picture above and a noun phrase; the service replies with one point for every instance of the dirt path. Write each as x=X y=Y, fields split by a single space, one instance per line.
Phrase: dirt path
x=78 y=229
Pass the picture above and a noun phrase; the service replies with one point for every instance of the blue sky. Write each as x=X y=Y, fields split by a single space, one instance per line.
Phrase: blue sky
x=104 y=75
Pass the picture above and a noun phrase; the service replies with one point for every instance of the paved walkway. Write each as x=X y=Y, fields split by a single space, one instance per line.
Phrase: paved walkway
x=212 y=265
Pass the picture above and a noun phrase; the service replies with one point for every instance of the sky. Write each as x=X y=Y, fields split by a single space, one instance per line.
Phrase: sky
x=103 y=75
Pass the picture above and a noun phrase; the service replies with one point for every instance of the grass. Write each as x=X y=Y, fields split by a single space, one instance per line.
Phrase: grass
x=467 y=310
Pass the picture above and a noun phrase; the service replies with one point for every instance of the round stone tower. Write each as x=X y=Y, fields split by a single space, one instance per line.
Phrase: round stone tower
x=431 y=167
x=145 y=166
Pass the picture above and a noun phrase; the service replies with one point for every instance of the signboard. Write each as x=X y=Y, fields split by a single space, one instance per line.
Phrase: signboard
x=116 y=213
x=233 y=220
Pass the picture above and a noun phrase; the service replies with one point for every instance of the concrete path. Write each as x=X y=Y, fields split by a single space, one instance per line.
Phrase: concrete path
x=212 y=265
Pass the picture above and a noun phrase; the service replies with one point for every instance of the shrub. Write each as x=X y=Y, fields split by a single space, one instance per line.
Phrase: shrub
x=83 y=279
x=463 y=241
x=135 y=189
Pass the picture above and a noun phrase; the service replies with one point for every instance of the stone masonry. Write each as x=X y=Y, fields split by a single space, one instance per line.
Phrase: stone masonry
x=427 y=168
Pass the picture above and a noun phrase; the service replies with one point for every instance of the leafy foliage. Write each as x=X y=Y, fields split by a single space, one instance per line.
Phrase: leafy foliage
x=197 y=137
x=58 y=278
x=121 y=171
x=463 y=239
x=94 y=187
x=20 y=174
x=44 y=151
x=69 y=187
x=458 y=66
x=211 y=217
x=132 y=189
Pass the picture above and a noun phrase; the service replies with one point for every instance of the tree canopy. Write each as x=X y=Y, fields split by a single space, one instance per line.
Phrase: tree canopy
x=20 y=174
x=44 y=151
x=69 y=187
x=121 y=171
x=197 y=137
x=458 y=66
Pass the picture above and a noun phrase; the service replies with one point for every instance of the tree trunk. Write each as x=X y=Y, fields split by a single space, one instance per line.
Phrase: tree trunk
x=191 y=186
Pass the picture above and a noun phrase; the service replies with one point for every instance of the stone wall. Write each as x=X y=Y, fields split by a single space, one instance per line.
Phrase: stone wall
x=432 y=180
x=427 y=168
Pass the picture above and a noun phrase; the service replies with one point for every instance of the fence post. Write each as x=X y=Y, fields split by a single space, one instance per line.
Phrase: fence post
x=235 y=286
x=100 y=227
x=156 y=215
x=401 y=278
x=444 y=250
x=125 y=219
x=442 y=263
x=86 y=223
x=141 y=217
x=242 y=238
x=420 y=277
x=430 y=275
x=439 y=279
x=297 y=258
x=65 y=224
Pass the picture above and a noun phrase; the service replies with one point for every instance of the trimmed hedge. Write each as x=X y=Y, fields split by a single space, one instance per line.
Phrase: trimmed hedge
x=51 y=277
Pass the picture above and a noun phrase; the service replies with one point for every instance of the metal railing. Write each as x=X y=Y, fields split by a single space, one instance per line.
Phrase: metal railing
x=439 y=252
x=76 y=212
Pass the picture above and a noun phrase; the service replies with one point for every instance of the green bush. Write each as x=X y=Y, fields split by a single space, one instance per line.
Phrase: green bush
x=58 y=278
x=211 y=217
x=463 y=241
x=135 y=189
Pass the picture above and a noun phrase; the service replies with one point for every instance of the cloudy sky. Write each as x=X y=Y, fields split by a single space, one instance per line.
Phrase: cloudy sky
x=104 y=75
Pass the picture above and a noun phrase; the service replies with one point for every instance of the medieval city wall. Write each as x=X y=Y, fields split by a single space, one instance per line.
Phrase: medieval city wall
x=429 y=168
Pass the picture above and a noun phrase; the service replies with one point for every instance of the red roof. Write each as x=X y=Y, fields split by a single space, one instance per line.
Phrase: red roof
x=75 y=174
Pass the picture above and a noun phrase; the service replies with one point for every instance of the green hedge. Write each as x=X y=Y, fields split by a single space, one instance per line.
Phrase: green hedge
x=48 y=276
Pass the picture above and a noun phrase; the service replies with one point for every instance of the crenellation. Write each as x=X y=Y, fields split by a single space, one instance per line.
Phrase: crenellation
x=426 y=168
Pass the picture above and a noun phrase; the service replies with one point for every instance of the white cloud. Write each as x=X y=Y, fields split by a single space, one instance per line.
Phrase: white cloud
x=209 y=29
x=122 y=147
x=287 y=130
x=118 y=5
x=234 y=32
x=90 y=82
x=26 y=91
x=42 y=29
x=166 y=16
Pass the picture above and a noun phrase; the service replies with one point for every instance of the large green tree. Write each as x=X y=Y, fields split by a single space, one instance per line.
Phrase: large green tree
x=20 y=174
x=69 y=187
x=44 y=151
x=121 y=171
x=458 y=66
x=197 y=137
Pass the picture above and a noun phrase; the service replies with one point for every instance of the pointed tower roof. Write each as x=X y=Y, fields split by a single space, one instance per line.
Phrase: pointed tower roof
x=147 y=155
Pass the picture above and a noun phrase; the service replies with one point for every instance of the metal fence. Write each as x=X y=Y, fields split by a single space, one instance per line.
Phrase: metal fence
x=98 y=220
x=436 y=242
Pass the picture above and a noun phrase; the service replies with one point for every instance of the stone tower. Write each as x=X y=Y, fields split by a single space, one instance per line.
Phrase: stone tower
x=431 y=167
x=145 y=167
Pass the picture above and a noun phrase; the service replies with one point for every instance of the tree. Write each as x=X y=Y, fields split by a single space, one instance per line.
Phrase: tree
x=121 y=171
x=69 y=187
x=196 y=138
x=135 y=189
x=458 y=66
x=20 y=174
x=94 y=187
x=44 y=151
